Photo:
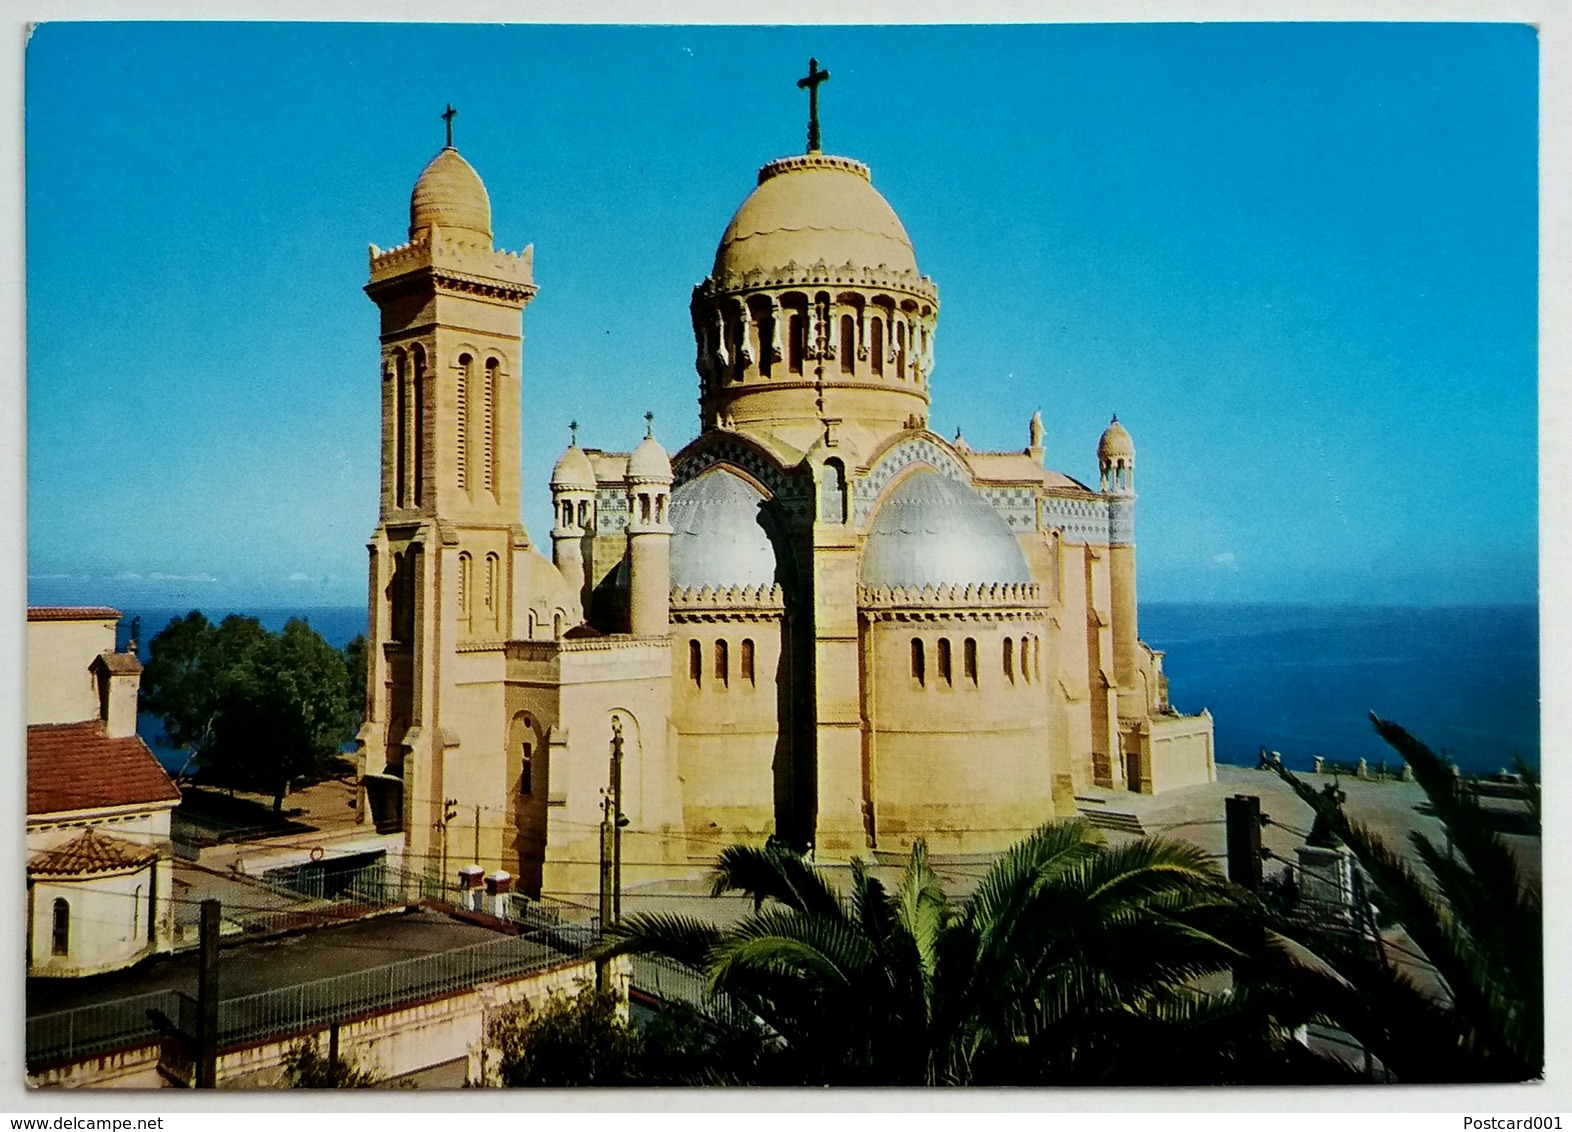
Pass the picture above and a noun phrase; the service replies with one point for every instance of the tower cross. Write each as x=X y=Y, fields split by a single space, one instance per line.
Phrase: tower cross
x=649 y=423
x=447 y=117
x=810 y=82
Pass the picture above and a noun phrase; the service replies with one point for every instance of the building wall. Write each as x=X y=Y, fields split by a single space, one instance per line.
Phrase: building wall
x=961 y=761
x=60 y=689
x=109 y=921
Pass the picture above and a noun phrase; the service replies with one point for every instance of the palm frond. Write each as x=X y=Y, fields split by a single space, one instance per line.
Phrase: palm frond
x=775 y=874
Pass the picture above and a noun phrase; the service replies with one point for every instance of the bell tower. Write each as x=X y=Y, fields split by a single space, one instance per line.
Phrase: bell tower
x=442 y=556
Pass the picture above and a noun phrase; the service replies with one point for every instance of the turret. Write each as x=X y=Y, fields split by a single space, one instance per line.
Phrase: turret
x=1116 y=478
x=649 y=537
x=1035 y=447
x=573 y=508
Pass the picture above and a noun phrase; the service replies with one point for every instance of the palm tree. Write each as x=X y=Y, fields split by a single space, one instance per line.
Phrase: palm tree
x=1071 y=962
x=1474 y=916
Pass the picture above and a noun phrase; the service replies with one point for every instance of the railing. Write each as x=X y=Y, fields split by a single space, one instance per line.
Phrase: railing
x=309 y=1006
x=69 y=1035
x=670 y=981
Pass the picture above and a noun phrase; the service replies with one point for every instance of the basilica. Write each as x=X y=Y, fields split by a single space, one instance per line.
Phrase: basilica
x=818 y=621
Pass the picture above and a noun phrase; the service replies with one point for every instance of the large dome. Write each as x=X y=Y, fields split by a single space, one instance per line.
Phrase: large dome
x=933 y=531
x=814 y=208
x=450 y=195
x=718 y=535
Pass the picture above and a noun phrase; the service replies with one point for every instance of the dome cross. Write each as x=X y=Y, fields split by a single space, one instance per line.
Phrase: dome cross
x=810 y=82
x=447 y=118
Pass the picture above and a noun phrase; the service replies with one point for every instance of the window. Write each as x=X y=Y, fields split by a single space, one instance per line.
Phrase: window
x=832 y=493
x=493 y=578
x=848 y=343
x=60 y=936
x=876 y=344
x=1009 y=659
x=900 y=349
x=489 y=422
x=797 y=346
x=696 y=663
x=1026 y=660
x=969 y=660
x=461 y=429
x=722 y=664
x=739 y=342
x=745 y=661
x=766 y=344
x=1037 y=656
x=556 y=625
x=919 y=662
x=400 y=428
x=944 y=660
x=466 y=585
x=526 y=772
x=418 y=468
x=136 y=913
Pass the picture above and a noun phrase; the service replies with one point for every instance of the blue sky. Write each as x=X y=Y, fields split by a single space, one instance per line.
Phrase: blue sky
x=1298 y=260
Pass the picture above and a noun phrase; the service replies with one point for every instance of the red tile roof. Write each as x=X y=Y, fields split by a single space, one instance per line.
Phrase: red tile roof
x=74 y=766
x=92 y=852
x=71 y=613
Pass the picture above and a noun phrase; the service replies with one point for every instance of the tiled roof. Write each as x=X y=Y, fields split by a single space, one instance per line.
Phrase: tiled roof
x=74 y=766
x=92 y=852
x=71 y=613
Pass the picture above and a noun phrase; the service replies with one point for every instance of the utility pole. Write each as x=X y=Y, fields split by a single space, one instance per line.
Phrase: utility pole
x=605 y=860
x=207 y=999
x=618 y=820
x=1243 y=814
x=477 y=835
x=449 y=812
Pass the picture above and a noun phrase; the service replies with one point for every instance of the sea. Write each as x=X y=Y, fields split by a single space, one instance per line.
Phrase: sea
x=1301 y=680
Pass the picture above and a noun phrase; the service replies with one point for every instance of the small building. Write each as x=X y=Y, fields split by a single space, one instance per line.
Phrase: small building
x=99 y=805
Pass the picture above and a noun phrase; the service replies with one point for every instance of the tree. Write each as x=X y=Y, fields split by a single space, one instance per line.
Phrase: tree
x=586 y=1039
x=1071 y=962
x=256 y=710
x=1471 y=913
x=306 y=1068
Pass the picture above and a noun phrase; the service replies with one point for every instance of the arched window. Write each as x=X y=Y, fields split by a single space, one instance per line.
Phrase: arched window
x=745 y=661
x=1037 y=656
x=848 y=343
x=1026 y=660
x=797 y=345
x=969 y=660
x=1009 y=659
x=417 y=470
x=919 y=663
x=466 y=585
x=60 y=934
x=644 y=506
x=584 y=515
x=400 y=430
x=876 y=344
x=766 y=344
x=900 y=348
x=526 y=768
x=461 y=384
x=945 y=673
x=739 y=344
x=722 y=664
x=832 y=492
x=529 y=633
x=556 y=625
x=696 y=663
x=493 y=589
x=489 y=422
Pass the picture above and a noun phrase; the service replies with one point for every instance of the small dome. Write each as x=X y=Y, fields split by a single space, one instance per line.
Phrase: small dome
x=718 y=533
x=1115 y=443
x=450 y=194
x=935 y=531
x=649 y=462
x=573 y=472
x=814 y=208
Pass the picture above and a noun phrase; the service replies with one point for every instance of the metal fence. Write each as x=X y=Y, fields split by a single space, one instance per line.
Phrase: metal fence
x=313 y=1005
x=670 y=981
x=68 y=1035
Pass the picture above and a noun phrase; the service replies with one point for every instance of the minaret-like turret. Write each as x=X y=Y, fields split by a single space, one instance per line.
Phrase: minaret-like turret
x=573 y=506
x=649 y=537
x=1116 y=478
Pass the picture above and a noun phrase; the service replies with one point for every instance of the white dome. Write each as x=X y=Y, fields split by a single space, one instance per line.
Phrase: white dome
x=934 y=531
x=718 y=533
